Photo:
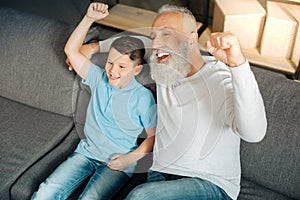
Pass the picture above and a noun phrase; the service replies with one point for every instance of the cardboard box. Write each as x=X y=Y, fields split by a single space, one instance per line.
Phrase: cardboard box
x=279 y=32
x=294 y=11
x=244 y=18
x=263 y=3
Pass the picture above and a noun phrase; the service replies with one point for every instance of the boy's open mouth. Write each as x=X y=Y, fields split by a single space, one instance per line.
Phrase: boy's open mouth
x=112 y=77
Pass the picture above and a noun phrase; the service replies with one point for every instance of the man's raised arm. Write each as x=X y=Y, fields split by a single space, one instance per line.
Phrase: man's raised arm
x=247 y=116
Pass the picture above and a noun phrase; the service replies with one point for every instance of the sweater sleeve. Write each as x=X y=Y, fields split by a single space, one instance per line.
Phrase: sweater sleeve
x=249 y=118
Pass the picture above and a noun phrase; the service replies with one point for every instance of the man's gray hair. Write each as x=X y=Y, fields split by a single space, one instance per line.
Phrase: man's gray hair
x=187 y=14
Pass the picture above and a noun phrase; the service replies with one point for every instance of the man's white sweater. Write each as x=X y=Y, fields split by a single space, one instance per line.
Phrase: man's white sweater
x=201 y=120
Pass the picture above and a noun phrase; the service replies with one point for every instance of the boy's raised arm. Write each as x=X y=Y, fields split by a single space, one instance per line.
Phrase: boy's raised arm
x=76 y=57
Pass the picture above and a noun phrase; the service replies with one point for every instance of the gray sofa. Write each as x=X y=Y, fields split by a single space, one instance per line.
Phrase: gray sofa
x=38 y=97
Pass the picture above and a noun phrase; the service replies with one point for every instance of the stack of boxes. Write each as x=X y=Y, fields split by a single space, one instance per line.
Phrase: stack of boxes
x=295 y=13
x=281 y=31
x=244 y=18
x=271 y=27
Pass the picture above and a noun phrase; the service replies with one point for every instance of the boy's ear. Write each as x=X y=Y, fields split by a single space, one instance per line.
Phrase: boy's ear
x=138 y=69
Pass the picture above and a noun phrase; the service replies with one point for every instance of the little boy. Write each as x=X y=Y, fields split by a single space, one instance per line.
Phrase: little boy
x=119 y=109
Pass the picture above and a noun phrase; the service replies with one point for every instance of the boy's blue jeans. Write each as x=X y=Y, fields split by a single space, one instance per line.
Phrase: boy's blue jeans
x=103 y=182
x=162 y=186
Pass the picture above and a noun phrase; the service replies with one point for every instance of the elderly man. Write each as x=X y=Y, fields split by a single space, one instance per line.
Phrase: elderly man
x=205 y=106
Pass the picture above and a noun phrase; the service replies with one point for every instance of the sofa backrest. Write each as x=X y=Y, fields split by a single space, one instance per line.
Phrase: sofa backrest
x=33 y=68
x=275 y=161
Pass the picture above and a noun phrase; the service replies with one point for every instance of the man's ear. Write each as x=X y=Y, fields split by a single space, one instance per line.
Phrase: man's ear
x=138 y=69
x=193 y=37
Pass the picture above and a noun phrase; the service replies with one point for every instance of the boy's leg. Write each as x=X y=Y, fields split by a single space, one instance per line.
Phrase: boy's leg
x=65 y=179
x=104 y=183
x=161 y=187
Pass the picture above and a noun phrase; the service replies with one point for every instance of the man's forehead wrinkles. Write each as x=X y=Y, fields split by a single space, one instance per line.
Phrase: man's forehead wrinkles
x=160 y=29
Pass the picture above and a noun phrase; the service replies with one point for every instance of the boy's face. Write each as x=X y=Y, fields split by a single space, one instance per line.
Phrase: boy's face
x=120 y=69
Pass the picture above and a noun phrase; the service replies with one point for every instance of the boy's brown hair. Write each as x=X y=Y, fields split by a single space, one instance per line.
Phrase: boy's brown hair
x=131 y=46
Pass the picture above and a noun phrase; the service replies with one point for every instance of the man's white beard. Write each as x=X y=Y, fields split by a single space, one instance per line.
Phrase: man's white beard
x=177 y=66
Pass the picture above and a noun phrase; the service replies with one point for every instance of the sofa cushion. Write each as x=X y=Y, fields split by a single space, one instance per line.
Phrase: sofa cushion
x=81 y=99
x=27 y=134
x=33 y=68
x=28 y=183
x=274 y=162
x=253 y=191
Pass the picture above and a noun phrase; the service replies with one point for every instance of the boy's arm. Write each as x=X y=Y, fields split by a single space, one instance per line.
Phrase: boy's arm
x=87 y=50
x=76 y=57
x=122 y=161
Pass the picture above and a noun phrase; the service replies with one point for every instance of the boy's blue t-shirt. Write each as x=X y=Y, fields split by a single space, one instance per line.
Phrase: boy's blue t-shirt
x=115 y=117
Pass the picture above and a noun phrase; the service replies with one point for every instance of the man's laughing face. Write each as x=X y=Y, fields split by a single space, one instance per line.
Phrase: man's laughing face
x=170 y=56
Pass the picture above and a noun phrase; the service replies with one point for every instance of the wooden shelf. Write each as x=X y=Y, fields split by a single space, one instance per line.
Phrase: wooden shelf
x=281 y=64
x=124 y=17
x=129 y=18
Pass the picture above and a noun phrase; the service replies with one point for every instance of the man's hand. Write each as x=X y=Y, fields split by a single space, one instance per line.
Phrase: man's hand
x=97 y=11
x=225 y=47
